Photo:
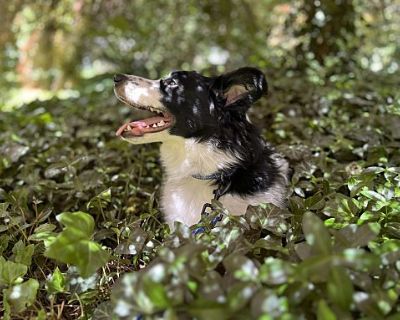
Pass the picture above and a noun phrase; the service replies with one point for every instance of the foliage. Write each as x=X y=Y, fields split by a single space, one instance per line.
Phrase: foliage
x=48 y=45
x=73 y=244
x=81 y=235
x=332 y=254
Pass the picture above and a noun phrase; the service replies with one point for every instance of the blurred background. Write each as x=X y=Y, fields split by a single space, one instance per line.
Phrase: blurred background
x=57 y=48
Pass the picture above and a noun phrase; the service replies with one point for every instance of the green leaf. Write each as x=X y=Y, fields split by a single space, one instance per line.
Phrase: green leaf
x=157 y=294
x=56 y=283
x=340 y=288
x=44 y=233
x=4 y=209
x=315 y=268
x=240 y=294
x=6 y=306
x=105 y=311
x=23 y=254
x=73 y=244
x=79 y=223
x=353 y=236
x=393 y=229
x=241 y=267
x=22 y=295
x=373 y=195
x=101 y=200
x=41 y=315
x=4 y=239
x=315 y=202
x=324 y=312
x=11 y=271
x=317 y=236
x=274 y=271
x=267 y=302
x=270 y=245
x=355 y=184
x=204 y=309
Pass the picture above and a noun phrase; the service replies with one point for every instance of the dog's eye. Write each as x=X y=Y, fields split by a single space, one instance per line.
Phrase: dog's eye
x=171 y=83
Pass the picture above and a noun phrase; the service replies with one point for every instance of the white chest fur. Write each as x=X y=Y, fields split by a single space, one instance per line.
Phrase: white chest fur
x=183 y=196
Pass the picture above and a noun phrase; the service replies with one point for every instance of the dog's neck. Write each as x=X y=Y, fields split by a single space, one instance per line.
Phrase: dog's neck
x=184 y=158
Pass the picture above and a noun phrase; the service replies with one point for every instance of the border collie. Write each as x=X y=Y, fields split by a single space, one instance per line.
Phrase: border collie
x=208 y=142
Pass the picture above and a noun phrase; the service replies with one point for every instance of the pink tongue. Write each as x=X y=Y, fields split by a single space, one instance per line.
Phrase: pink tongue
x=138 y=127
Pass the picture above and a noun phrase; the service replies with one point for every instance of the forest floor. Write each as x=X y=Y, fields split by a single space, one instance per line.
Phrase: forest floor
x=333 y=254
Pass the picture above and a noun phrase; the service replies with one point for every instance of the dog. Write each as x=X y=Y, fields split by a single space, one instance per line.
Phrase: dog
x=208 y=144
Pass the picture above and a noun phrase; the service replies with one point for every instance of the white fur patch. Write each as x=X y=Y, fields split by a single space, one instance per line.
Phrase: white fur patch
x=183 y=196
x=145 y=96
x=149 y=137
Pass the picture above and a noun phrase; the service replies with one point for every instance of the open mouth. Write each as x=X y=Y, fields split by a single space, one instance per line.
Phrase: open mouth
x=162 y=120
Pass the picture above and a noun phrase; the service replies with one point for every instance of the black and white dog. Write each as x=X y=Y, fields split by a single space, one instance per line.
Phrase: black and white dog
x=207 y=140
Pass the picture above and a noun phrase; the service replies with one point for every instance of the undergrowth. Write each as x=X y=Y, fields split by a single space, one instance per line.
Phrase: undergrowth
x=82 y=235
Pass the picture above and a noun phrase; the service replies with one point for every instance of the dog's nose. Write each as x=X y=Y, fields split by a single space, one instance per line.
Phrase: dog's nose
x=119 y=77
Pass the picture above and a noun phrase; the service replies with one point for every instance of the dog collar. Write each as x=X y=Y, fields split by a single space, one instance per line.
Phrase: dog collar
x=223 y=187
x=220 y=177
x=212 y=176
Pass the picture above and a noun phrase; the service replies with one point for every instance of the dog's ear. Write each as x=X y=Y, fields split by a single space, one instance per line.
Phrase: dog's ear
x=240 y=88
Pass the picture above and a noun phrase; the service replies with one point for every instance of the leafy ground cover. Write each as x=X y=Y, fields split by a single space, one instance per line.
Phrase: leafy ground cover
x=82 y=236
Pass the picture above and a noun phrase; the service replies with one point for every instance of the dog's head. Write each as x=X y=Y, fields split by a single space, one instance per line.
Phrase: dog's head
x=187 y=104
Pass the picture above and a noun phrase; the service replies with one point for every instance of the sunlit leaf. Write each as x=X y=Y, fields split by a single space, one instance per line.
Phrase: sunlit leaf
x=73 y=244
x=156 y=293
x=20 y=296
x=23 y=254
x=56 y=283
x=11 y=271
x=324 y=312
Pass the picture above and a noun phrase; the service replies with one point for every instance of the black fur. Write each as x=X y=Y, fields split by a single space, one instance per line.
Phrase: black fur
x=203 y=111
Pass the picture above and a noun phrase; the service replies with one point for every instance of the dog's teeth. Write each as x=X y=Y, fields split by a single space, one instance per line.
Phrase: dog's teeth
x=128 y=128
x=161 y=123
x=154 y=125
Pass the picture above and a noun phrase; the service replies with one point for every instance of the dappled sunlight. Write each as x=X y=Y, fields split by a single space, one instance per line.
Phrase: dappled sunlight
x=23 y=96
x=82 y=229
